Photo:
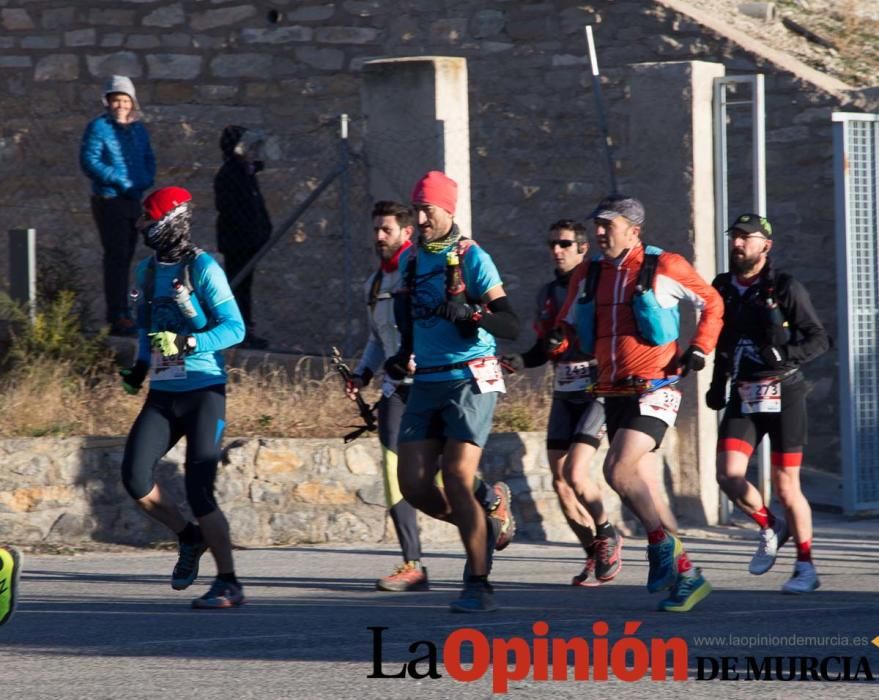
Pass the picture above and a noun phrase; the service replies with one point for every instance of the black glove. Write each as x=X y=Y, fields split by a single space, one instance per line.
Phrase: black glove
x=715 y=397
x=454 y=311
x=774 y=356
x=397 y=366
x=133 y=377
x=512 y=363
x=556 y=342
x=693 y=360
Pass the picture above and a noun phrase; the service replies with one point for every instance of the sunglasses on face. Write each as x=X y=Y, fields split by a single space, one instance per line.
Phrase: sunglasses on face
x=560 y=244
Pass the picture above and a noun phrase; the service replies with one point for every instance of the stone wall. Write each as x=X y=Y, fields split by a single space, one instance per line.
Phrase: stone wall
x=535 y=146
x=274 y=492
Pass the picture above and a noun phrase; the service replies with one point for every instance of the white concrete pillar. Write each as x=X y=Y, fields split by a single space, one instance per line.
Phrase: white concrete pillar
x=417 y=119
x=671 y=170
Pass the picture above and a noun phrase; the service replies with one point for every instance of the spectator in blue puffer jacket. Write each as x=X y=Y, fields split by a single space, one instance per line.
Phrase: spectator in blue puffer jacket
x=118 y=159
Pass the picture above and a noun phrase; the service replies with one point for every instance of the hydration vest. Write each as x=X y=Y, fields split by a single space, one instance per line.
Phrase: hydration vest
x=656 y=324
x=145 y=307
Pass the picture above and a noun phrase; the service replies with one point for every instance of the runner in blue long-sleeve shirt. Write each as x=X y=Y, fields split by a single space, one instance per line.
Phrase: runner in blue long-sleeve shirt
x=181 y=337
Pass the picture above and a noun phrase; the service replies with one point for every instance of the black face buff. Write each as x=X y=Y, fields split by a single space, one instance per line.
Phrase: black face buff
x=169 y=236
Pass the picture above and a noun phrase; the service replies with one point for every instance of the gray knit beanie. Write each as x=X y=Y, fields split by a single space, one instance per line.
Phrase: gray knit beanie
x=123 y=84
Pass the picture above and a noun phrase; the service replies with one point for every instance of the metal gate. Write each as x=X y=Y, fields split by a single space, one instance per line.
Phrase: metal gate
x=856 y=172
x=755 y=102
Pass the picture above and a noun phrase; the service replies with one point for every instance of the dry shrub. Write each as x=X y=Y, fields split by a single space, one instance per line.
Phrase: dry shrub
x=307 y=401
x=49 y=397
x=525 y=406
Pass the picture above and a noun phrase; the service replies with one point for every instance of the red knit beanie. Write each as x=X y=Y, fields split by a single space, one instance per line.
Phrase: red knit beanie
x=438 y=189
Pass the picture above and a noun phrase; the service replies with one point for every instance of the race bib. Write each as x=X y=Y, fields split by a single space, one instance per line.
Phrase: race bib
x=761 y=396
x=487 y=373
x=663 y=404
x=164 y=368
x=572 y=376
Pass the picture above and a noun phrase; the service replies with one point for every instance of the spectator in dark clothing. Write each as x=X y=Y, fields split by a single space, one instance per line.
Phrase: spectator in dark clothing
x=243 y=223
x=118 y=159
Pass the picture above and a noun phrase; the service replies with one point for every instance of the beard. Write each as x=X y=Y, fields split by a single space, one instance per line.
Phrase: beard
x=742 y=264
x=386 y=252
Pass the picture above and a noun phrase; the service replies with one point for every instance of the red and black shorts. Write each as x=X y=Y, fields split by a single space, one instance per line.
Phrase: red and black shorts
x=787 y=429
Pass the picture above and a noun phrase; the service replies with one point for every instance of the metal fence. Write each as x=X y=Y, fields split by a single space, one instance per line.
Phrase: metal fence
x=856 y=164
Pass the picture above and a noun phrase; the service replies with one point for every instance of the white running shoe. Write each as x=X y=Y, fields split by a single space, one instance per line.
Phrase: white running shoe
x=804 y=580
x=771 y=539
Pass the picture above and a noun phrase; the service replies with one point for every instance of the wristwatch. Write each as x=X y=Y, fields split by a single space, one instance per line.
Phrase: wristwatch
x=190 y=344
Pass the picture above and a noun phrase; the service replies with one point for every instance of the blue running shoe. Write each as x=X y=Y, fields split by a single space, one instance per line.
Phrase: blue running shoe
x=686 y=593
x=221 y=594
x=475 y=598
x=663 y=558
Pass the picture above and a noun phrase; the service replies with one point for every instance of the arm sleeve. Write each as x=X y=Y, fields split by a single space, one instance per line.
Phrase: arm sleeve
x=502 y=322
x=215 y=294
x=536 y=355
x=811 y=338
x=677 y=280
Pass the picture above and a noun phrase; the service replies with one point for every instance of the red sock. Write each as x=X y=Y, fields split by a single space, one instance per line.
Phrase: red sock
x=657 y=536
x=684 y=563
x=763 y=517
x=804 y=551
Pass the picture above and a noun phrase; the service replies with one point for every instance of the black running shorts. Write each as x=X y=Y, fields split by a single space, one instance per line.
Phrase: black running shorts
x=575 y=420
x=624 y=412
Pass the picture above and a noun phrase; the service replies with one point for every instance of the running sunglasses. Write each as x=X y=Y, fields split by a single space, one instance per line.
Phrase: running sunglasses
x=560 y=244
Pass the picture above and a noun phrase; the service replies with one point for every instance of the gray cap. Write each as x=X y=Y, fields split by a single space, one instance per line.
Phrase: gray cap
x=120 y=83
x=616 y=205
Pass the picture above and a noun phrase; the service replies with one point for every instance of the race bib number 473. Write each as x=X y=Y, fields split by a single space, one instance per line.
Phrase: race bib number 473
x=763 y=396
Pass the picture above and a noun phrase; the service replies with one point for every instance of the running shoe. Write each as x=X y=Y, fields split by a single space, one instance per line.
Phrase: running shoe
x=186 y=569
x=804 y=580
x=771 y=539
x=663 y=558
x=475 y=598
x=221 y=594
x=686 y=592
x=586 y=578
x=10 y=571
x=503 y=513
x=608 y=557
x=409 y=576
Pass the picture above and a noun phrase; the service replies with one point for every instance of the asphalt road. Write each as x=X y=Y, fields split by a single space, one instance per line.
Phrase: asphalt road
x=108 y=625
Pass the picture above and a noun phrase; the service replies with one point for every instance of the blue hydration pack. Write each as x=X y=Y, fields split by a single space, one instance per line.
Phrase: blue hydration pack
x=656 y=325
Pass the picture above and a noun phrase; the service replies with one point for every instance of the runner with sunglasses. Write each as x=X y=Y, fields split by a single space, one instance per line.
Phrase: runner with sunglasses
x=576 y=419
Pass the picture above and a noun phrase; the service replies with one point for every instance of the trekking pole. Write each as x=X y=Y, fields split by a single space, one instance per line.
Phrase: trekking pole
x=366 y=411
x=599 y=108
